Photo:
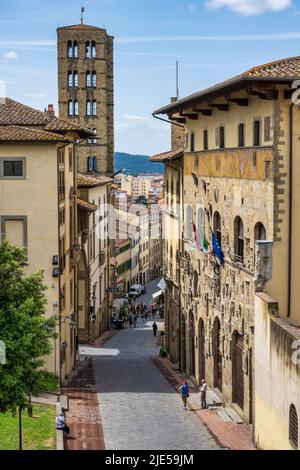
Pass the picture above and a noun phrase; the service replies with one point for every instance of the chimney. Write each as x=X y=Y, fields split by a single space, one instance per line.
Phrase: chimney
x=177 y=133
x=50 y=111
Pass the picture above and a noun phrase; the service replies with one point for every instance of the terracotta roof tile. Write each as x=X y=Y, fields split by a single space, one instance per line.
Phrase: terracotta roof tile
x=284 y=68
x=86 y=181
x=81 y=27
x=25 y=134
x=86 y=206
x=18 y=114
x=165 y=156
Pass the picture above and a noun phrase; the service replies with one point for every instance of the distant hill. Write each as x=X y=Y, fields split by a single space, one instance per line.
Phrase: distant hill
x=136 y=164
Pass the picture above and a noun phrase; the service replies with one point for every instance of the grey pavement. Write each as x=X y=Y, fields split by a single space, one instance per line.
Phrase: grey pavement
x=139 y=408
x=151 y=288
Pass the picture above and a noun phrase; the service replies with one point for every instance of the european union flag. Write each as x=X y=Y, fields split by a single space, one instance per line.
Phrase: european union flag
x=217 y=251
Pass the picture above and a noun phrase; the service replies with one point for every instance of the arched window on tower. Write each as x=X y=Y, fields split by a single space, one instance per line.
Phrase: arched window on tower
x=239 y=239
x=94 y=50
x=88 y=49
x=70 y=108
x=88 y=79
x=75 y=49
x=70 y=50
x=88 y=108
x=75 y=79
x=76 y=108
x=94 y=108
x=70 y=79
x=94 y=79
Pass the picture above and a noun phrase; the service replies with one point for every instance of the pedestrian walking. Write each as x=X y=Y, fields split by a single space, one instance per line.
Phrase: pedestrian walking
x=184 y=389
x=203 y=391
x=155 y=328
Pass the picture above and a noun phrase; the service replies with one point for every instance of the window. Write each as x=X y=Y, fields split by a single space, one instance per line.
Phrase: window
x=239 y=239
x=293 y=427
x=95 y=164
x=94 y=108
x=70 y=159
x=256 y=131
x=62 y=257
x=88 y=79
x=201 y=222
x=192 y=142
x=88 y=50
x=267 y=128
x=189 y=222
x=217 y=227
x=70 y=79
x=70 y=108
x=88 y=108
x=260 y=232
x=75 y=79
x=75 y=108
x=14 y=229
x=12 y=168
x=90 y=165
x=62 y=216
x=241 y=135
x=75 y=49
x=205 y=139
x=94 y=79
x=95 y=138
x=94 y=50
x=222 y=137
x=70 y=50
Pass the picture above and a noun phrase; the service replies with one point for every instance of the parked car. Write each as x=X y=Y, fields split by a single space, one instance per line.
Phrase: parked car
x=136 y=290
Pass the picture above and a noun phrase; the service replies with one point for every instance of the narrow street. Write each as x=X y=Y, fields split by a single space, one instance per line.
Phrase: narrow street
x=139 y=409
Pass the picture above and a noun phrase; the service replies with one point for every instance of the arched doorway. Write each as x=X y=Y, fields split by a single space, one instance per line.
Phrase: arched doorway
x=191 y=345
x=217 y=354
x=201 y=350
x=237 y=369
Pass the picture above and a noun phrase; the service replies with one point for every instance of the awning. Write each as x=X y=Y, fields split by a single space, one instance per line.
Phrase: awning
x=157 y=294
x=162 y=284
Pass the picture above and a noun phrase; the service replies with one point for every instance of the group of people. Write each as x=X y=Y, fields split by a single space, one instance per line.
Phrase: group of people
x=143 y=312
x=184 y=390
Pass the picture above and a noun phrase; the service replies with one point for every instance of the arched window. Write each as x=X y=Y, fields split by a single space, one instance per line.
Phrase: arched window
x=75 y=79
x=239 y=238
x=70 y=50
x=94 y=108
x=88 y=108
x=88 y=79
x=90 y=165
x=70 y=79
x=201 y=222
x=93 y=50
x=70 y=108
x=76 y=110
x=75 y=49
x=94 y=79
x=217 y=227
x=293 y=427
x=189 y=222
x=88 y=49
x=260 y=232
x=95 y=164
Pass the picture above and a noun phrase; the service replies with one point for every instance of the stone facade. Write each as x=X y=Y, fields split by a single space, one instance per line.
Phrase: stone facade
x=85 y=75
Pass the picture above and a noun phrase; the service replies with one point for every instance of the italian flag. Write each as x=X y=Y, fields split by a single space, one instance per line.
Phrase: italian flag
x=201 y=241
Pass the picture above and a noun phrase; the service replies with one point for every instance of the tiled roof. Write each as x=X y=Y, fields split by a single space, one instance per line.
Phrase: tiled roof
x=14 y=113
x=25 y=134
x=86 y=181
x=283 y=68
x=86 y=206
x=81 y=27
x=165 y=156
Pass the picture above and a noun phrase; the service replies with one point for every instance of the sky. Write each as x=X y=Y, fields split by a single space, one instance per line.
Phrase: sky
x=212 y=40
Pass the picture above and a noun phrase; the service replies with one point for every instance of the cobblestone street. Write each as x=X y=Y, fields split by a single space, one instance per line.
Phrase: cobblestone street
x=139 y=409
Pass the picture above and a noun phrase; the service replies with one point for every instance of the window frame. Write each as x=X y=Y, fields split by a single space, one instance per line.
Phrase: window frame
x=23 y=218
x=205 y=139
x=16 y=159
x=241 y=135
x=256 y=128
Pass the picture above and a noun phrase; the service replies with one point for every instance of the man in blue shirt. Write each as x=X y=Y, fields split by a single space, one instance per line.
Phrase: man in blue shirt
x=184 y=389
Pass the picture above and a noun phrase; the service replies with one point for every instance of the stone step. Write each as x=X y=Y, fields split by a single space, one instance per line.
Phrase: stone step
x=212 y=399
x=233 y=415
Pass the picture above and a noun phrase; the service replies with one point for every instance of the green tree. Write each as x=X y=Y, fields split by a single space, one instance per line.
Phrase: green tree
x=24 y=329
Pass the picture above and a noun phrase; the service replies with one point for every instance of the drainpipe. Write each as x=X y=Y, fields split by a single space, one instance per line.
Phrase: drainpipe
x=290 y=212
x=174 y=123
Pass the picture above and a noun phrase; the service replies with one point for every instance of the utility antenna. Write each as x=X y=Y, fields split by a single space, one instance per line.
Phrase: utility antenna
x=177 y=79
x=81 y=17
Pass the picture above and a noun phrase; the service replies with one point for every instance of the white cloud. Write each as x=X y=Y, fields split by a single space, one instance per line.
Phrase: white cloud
x=249 y=7
x=12 y=55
